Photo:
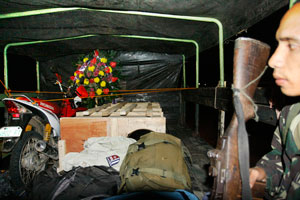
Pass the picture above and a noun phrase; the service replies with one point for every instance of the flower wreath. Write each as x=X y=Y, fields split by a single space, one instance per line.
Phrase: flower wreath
x=96 y=75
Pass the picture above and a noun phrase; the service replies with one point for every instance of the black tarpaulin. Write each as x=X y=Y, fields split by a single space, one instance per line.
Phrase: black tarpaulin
x=89 y=17
x=139 y=70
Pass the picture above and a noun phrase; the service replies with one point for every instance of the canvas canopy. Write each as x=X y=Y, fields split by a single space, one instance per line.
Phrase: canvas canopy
x=101 y=24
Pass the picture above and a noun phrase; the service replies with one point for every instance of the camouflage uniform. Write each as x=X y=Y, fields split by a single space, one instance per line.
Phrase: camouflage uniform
x=282 y=164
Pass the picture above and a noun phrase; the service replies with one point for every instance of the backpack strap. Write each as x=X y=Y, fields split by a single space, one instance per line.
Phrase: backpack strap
x=292 y=113
x=137 y=146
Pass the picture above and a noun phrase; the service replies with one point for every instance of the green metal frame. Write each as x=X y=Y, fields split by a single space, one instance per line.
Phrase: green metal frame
x=292 y=2
x=190 y=18
x=84 y=36
x=37 y=64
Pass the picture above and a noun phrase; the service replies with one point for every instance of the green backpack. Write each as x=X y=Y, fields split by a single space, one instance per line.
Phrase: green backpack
x=155 y=162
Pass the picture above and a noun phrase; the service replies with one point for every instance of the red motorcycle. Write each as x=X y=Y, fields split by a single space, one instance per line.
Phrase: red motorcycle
x=32 y=132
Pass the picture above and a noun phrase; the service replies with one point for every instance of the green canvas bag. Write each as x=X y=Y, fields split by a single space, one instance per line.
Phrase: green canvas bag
x=155 y=162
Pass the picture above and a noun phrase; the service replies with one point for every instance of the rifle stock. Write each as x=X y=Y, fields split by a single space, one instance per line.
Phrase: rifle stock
x=250 y=58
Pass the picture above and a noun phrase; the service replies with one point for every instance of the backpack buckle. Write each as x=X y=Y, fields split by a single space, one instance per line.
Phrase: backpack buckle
x=135 y=172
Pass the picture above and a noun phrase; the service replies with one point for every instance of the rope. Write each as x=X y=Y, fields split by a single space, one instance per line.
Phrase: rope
x=123 y=92
x=161 y=89
x=6 y=91
x=237 y=91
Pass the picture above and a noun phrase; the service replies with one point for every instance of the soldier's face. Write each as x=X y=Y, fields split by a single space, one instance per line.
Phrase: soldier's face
x=286 y=59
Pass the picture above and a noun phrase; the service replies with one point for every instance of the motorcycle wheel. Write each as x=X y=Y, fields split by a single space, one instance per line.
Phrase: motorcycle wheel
x=25 y=161
x=37 y=125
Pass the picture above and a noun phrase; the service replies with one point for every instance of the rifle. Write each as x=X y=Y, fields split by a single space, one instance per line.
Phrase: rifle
x=250 y=57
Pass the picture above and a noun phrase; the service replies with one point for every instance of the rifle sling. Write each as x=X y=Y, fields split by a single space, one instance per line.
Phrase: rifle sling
x=243 y=149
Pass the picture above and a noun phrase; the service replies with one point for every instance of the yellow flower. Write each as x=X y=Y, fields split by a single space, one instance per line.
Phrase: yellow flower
x=110 y=69
x=101 y=73
x=103 y=83
x=97 y=80
x=86 y=81
x=91 y=68
x=104 y=60
x=85 y=59
x=75 y=73
x=81 y=75
x=77 y=81
x=99 y=91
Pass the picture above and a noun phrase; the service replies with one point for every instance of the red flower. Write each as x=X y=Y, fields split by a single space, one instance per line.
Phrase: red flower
x=82 y=91
x=106 y=91
x=106 y=69
x=91 y=80
x=92 y=94
x=96 y=53
x=96 y=72
x=72 y=78
x=58 y=77
x=114 y=79
x=93 y=61
x=113 y=64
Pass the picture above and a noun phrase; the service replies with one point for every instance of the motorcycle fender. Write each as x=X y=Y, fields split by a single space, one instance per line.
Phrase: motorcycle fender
x=43 y=113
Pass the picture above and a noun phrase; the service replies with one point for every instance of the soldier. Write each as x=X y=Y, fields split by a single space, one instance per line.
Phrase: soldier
x=280 y=168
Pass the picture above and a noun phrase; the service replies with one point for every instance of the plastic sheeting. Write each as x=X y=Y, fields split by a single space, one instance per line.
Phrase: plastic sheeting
x=235 y=16
x=139 y=70
x=145 y=70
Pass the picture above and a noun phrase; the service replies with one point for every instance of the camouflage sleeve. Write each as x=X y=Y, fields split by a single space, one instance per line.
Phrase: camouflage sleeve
x=271 y=162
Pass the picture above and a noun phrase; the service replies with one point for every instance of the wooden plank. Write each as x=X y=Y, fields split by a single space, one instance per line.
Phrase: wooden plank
x=142 y=106
x=115 y=114
x=156 y=107
x=144 y=114
x=221 y=95
x=61 y=153
x=126 y=109
x=108 y=111
x=222 y=100
x=76 y=130
x=136 y=114
x=99 y=108
x=91 y=110
x=149 y=110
